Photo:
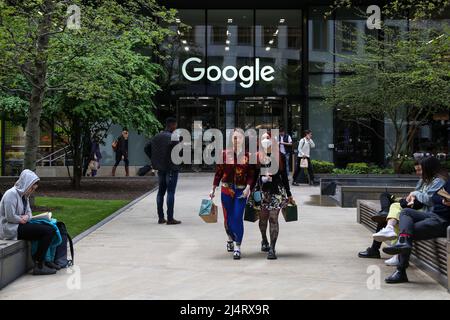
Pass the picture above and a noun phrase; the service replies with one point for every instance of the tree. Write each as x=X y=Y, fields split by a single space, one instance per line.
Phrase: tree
x=399 y=78
x=99 y=74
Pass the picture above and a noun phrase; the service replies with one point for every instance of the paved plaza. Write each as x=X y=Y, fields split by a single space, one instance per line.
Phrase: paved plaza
x=132 y=257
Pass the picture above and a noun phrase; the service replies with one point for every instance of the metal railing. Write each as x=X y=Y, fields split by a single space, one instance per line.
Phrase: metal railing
x=57 y=156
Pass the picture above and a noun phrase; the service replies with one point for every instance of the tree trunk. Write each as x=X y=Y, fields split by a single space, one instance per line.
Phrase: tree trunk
x=77 y=155
x=38 y=91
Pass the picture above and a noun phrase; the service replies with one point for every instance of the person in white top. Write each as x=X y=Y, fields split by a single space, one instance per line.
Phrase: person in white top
x=285 y=142
x=304 y=152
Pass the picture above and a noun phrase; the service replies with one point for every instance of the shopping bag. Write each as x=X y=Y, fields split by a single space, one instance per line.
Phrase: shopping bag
x=208 y=211
x=290 y=212
x=251 y=213
x=304 y=163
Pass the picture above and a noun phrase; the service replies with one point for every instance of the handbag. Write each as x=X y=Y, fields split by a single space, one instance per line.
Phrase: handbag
x=93 y=165
x=290 y=213
x=251 y=213
x=304 y=163
x=114 y=145
x=208 y=211
x=257 y=196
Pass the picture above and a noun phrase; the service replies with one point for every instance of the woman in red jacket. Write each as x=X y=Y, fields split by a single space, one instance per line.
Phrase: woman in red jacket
x=237 y=176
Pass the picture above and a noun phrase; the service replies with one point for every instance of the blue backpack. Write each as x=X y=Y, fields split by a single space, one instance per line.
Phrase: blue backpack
x=61 y=250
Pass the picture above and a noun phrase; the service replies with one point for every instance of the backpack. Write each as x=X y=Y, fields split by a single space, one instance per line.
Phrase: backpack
x=61 y=250
x=144 y=170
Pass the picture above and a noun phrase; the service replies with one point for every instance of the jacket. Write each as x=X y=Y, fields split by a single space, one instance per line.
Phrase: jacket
x=279 y=179
x=424 y=192
x=14 y=205
x=235 y=169
x=159 y=150
x=439 y=208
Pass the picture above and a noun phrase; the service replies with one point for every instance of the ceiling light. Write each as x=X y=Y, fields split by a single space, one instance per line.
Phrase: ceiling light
x=230 y=20
x=282 y=20
x=271 y=41
x=183 y=41
x=186 y=48
x=227 y=41
x=177 y=20
x=227 y=48
x=267 y=48
x=228 y=33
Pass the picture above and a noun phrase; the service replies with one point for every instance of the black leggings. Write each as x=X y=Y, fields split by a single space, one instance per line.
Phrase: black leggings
x=119 y=158
x=40 y=232
x=270 y=216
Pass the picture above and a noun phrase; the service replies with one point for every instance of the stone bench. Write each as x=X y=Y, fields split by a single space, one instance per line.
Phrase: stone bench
x=347 y=196
x=432 y=256
x=15 y=260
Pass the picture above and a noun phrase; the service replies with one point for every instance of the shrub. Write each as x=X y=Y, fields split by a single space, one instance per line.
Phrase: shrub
x=407 y=167
x=358 y=167
x=322 y=166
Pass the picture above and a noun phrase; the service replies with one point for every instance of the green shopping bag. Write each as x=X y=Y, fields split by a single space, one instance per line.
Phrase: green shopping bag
x=251 y=213
x=290 y=212
x=208 y=211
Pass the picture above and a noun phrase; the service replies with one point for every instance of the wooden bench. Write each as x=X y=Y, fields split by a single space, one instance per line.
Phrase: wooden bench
x=432 y=256
x=15 y=260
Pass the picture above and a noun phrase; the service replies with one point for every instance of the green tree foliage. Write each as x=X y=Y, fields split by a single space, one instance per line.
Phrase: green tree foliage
x=101 y=73
x=399 y=78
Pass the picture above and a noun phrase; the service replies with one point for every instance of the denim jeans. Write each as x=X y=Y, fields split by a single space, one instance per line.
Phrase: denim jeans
x=167 y=183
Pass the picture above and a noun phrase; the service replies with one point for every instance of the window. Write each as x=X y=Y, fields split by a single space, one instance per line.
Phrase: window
x=320 y=35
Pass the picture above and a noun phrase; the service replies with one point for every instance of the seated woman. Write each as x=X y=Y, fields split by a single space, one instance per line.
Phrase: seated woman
x=416 y=225
x=15 y=214
x=432 y=179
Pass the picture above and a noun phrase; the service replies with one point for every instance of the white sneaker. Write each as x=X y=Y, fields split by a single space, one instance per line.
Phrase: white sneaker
x=392 y=262
x=387 y=233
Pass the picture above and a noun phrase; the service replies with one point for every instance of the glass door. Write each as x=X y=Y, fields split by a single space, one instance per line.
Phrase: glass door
x=259 y=113
x=206 y=111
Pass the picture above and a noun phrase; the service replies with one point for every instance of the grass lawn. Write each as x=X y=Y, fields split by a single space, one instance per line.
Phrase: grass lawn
x=79 y=214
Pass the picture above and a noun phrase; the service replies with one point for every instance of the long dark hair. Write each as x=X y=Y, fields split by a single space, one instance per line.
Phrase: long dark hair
x=431 y=169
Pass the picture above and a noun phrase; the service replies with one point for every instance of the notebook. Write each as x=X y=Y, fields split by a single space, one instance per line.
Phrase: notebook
x=44 y=216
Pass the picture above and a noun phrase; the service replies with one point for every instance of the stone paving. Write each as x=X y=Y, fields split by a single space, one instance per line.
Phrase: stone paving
x=132 y=257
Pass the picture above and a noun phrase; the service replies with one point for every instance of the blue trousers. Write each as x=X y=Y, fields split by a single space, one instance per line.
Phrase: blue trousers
x=233 y=212
x=167 y=183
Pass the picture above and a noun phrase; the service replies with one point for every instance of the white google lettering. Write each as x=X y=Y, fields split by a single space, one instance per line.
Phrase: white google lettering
x=247 y=74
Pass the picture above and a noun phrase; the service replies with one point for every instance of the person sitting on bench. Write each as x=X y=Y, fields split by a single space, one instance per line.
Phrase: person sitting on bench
x=432 y=179
x=15 y=214
x=417 y=225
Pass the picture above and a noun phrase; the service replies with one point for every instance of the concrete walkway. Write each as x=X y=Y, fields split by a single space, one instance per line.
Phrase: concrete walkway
x=132 y=257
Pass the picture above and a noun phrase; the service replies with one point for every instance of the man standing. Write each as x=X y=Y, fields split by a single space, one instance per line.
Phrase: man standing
x=159 y=150
x=304 y=152
x=286 y=147
x=120 y=146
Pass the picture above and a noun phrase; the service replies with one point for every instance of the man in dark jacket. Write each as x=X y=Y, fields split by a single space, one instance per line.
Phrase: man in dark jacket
x=419 y=225
x=159 y=151
x=121 y=150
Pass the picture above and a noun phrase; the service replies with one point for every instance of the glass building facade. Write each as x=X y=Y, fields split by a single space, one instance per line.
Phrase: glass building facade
x=260 y=65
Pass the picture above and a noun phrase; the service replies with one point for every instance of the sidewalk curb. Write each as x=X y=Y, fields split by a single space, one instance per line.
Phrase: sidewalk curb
x=111 y=217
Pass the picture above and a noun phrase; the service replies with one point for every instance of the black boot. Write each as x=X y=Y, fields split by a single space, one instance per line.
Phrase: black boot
x=265 y=246
x=271 y=255
x=370 y=253
x=399 y=276
x=52 y=265
x=403 y=246
x=40 y=269
x=380 y=217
